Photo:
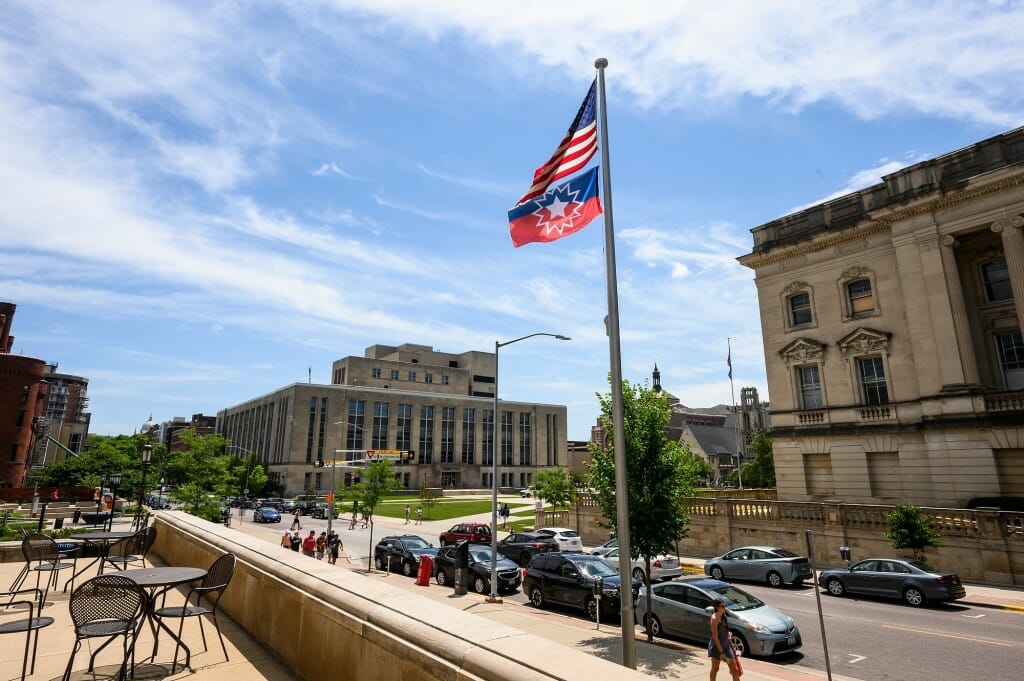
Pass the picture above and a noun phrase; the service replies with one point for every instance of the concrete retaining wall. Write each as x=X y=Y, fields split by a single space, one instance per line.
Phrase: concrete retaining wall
x=319 y=619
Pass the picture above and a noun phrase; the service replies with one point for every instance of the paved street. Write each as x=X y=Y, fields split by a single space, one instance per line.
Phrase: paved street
x=868 y=639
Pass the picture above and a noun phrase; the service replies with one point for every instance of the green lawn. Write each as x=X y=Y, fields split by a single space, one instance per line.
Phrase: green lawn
x=443 y=509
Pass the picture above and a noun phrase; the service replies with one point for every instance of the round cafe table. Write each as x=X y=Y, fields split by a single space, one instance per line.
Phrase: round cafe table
x=157 y=581
x=103 y=541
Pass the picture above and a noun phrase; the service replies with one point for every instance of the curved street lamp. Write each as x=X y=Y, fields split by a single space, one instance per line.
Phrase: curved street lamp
x=493 y=598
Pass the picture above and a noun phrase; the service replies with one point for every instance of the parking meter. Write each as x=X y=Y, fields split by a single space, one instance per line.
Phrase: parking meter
x=598 y=587
x=462 y=568
x=844 y=553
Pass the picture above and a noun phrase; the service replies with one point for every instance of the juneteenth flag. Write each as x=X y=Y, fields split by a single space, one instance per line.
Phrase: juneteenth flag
x=728 y=361
x=562 y=210
x=576 y=148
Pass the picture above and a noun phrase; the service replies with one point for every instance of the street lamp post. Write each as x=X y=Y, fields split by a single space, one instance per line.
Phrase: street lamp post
x=495 y=419
x=147 y=454
x=113 y=479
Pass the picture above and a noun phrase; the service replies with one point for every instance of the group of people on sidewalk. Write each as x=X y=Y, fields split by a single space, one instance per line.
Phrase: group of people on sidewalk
x=326 y=544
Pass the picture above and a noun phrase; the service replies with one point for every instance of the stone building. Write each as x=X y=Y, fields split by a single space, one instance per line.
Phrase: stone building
x=23 y=399
x=66 y=418
x=439 y=407
x=891 y=320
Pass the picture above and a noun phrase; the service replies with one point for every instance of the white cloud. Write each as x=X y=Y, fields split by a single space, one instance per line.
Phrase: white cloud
x=332 y=169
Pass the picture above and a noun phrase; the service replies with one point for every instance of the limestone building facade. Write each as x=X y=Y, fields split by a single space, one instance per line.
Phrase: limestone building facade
x=437 y=406
x=891 y=320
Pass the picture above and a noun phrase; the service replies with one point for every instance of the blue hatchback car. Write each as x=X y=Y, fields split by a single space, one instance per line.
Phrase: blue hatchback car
x=266 y=514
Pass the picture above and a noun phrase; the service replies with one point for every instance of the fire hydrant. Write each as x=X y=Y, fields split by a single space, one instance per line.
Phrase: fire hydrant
x=426 y=567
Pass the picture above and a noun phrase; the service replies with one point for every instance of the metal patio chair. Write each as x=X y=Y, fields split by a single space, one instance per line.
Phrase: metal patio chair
x=107 y=606
x=12 y=623
x=133 y=551
x=42 y=556
x=213 y=585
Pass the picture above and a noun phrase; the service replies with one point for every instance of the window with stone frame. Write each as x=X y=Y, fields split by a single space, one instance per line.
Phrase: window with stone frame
x=995 y=280
x=860 y=297
x=1010 y=348
x=799 y=306
x=871 y=375
x=808 y=381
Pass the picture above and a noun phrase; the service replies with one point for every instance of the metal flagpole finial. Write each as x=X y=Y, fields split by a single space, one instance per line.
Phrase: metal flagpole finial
x=601 y=63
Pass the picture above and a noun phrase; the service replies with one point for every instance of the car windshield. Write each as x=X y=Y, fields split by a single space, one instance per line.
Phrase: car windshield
x=597 y=568
x=783 y=553
x=738 y=599
x=481 y=554
x=414 y=543
x=922 y=566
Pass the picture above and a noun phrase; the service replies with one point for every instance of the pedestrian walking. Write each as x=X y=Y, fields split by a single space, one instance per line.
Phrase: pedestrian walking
x=504 y=515
x=296 y=541
x=333 y=547
x=419 y=515
x=407 y=513
x=309 y=544
x=321 y=545
x=286 y=540
x=296 y=520
x=719 y=647
x=352 y=525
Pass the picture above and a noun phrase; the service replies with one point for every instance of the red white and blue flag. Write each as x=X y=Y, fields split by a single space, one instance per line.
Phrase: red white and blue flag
x=562 y=210
x=576 y=148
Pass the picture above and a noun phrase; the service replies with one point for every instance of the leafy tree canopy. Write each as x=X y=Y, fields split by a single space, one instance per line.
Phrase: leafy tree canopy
x=761 y=471
x=555 y=485
x=908 y=528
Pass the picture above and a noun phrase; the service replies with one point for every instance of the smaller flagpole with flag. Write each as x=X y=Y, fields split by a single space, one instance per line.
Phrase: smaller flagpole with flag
x=735 y=415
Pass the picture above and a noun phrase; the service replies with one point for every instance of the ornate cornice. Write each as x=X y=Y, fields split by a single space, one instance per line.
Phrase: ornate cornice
x=864 y=341
x=796 y=286
x=1008 y=223
x=803 y=350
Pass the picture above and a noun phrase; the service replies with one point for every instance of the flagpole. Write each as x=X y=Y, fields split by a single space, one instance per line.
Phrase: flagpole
x=736 y=418
x=618 y=432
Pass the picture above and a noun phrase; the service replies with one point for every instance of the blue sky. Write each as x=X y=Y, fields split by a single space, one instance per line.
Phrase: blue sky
x=201 y=201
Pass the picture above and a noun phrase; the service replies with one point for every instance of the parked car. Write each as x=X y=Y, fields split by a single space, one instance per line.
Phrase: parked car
x=402 y=552
x=681 y=608
x=568 y=540
x=479 y=578
x=523 y=546
x=770 y=564
x=662 y=567
x=568 y=579
x=474 y=533
x=912 y=580
x=320 y=511
x=287 y=506
x=266 y=514
x=605 y=547
x=527 y=493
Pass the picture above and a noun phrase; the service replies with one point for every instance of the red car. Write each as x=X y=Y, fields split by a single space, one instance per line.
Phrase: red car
x=475 y=533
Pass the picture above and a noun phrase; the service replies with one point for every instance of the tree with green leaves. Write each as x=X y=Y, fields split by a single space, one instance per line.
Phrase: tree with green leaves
x=102 y=454
x=656 y=477
x=377 y=482
x=555 y=486
x=203 y=472
x=427 y=497
x=761 y=471
x=909 y=528
x=695 y=466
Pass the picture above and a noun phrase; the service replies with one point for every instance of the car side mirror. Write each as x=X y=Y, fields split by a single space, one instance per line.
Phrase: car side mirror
x=709 y=609
x=575 y=575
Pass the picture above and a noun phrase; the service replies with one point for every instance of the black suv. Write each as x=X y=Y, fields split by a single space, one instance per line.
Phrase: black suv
x=402 y=552
x=568 y=579
x=320 y=511
x=523 y=546
x=479 y=577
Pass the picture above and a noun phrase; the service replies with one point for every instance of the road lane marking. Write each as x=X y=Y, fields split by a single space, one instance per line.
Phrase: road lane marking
x=962 y=638
x=973 y=617
x=856 y=658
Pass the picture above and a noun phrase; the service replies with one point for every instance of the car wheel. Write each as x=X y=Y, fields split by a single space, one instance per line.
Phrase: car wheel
x=590 y=607
x=913 y=596
x=717 y=573
x=775 y=579
x=378 y=563
x=655 y=626
x=480 y=585
x=638 y=575
x=524 y=558
x=835 y=587
x=537 y=597
x=408 y=569
x=739 y=644
x=441 y=578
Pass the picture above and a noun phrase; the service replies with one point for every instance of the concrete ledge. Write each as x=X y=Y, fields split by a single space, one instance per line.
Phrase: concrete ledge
x=316 y=617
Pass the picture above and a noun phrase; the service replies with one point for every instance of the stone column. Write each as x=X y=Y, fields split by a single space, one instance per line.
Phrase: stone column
x=1013 y=245
x=961 y=326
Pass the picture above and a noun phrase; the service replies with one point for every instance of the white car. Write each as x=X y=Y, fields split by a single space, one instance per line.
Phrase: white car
x=569 y=541
x=605 y=547
x=662 y=567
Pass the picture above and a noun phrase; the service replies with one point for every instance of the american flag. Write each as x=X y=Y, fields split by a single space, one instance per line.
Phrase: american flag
x=576 y=148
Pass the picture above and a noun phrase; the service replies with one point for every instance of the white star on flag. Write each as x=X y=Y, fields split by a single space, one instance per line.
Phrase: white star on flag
x=557 y=209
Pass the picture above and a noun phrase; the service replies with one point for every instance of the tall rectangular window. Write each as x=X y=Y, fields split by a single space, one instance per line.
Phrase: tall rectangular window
x=872 y=380
x=412 y=376
x=487 y=457
x=468 y=434
x=1011 y=359
x=428 y=378
x=861 y=298
x=311 y=430
x=403 y=432
x=809 y=385
x=800 y=309
x=323 y=429
x=506 y=438
x=426 y=448
x=354 y=436
x=447 y=434
x=525 y=443
x=375 y=372
x=381 y=415
x=394 y=374
x=996 y=280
